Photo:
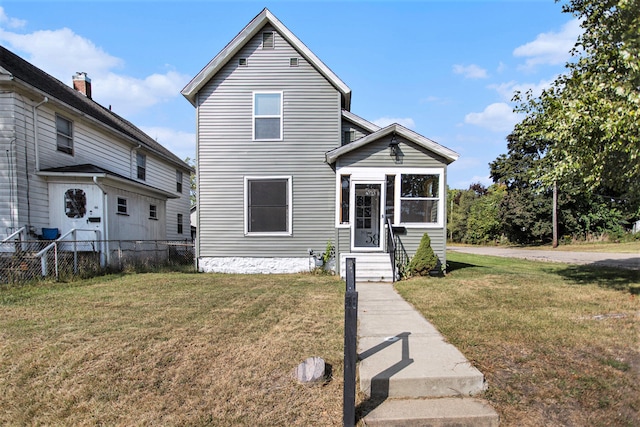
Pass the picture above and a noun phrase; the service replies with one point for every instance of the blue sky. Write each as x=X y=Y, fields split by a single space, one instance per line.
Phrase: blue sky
x=445 y=69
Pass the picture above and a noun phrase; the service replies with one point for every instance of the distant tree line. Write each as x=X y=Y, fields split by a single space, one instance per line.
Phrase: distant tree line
x=581 y=136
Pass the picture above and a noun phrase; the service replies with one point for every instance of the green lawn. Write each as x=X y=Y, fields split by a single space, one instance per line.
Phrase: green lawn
x=558 y=345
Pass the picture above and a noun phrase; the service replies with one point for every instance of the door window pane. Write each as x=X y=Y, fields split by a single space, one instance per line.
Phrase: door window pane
x=75 y=203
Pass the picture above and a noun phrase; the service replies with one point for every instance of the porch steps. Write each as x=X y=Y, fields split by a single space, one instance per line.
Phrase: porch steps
x=370 y=267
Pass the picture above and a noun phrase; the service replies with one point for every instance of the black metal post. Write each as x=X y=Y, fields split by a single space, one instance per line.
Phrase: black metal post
x=350 y=350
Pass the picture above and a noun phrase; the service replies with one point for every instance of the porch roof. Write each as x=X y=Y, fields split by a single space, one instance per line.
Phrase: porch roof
x=90 y=171
x=411 y=136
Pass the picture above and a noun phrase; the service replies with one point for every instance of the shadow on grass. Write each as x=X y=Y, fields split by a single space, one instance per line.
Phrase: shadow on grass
x=606 y=277
x=453 y=266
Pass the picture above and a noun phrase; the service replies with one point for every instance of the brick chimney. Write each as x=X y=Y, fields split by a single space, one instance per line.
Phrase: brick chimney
x=82 y=83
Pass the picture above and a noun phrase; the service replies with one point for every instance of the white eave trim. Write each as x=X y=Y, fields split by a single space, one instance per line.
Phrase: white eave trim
x=357 y=120
x=401 y=131
x=264 y=17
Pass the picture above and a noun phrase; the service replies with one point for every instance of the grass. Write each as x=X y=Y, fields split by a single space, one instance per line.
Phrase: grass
x=558 y=344
x=606 y=247
x=170 y=349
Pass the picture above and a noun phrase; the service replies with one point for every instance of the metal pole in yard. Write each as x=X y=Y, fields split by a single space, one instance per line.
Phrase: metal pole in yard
x=350 y=350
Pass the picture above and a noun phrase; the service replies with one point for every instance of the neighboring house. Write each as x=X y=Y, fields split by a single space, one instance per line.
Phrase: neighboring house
x=285 y=168
x=72 y=164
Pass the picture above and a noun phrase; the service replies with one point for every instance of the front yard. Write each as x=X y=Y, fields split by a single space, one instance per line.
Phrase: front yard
x=558 y=345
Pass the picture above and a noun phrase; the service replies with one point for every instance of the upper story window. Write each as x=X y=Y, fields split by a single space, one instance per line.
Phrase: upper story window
x=64 y=130
x=153 y=212
x=179 y=181
x=267 y=116
x=419 y=196
x=268 y=40
x=141 y=162
x=348 y=136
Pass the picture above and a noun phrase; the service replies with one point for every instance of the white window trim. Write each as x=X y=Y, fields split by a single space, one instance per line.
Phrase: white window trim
x=253 y=115
x=364 y=174
x=289 y=210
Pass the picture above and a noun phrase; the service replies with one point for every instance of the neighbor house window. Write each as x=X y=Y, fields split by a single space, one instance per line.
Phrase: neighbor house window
x=153 y=212
x=267 y=116
x=419 y=196
x=179 y=181
x=268 y=205
x=75 y=203
x=122 y=206
x=141 y=161
x=179 y=223
x=268 y=40
x=64 y=131
x=345 y=183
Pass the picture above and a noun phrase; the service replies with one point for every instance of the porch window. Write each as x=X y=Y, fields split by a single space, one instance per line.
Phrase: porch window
x=122 y=206
x=64 y=131
x=268 y=205
x=390 y=181
x=75 y=203
x=267 y=116
x=141 y=161
x=419 y=197
x=345 y=183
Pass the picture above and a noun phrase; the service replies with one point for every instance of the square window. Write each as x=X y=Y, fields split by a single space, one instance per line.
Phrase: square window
x=242 y=62
x=153 y=212
x=268 y=205
x=122 y=206
x=141 y=161
x=293 y=62
x=179 y=181
x=268 y=40
x=64 y=131
x=267 y=116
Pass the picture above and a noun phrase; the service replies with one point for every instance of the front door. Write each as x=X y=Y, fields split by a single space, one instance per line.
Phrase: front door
x=366 y=212
x=78 y=206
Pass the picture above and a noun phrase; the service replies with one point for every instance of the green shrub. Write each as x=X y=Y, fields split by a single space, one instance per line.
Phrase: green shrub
x=424 y=260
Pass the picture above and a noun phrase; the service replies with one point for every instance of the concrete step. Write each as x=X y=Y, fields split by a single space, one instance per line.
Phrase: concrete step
x=433 y=412
x=370 y=267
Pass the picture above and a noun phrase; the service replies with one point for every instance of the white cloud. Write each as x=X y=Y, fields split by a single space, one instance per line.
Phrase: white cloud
x=470 y=71
x=498 y=117
x=386 y=121
x=10 y=22
x=550 y=48
x=508 y=89
x=62 y=53
x=182 y=144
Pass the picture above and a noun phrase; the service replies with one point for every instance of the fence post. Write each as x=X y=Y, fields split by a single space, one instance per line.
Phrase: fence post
x=350 y=350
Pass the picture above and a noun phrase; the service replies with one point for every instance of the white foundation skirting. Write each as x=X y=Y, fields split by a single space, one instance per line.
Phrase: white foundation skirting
x=243 y=265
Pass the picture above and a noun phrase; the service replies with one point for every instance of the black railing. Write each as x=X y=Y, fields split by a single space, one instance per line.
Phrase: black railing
x=397 y=252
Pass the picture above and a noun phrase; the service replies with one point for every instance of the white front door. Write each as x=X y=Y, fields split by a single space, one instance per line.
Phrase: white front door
x=78 y=206
x=366 y=211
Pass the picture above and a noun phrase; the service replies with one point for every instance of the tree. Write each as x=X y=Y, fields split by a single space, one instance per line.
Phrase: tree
x=425 y=259
x=589 y=120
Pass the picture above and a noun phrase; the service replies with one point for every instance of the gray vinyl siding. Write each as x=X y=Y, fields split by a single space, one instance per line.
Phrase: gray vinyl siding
x=357 y=130
x=8 y=167
x=377 y=154
x=226 y=152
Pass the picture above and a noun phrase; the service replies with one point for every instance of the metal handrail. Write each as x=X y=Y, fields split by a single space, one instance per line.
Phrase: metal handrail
x=14 y=234
x=391 y=247
x=54 y=245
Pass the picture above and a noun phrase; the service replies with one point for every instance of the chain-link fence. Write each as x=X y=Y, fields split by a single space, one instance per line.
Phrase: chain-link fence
x=23 y=261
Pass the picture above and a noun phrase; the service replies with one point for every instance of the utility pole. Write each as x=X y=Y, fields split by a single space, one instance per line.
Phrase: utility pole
x=555 y=214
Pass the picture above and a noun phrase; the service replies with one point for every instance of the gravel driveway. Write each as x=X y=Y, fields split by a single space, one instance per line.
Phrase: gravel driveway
x=618 y=260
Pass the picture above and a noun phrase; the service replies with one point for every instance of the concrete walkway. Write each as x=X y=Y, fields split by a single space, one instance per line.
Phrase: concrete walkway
x=410 y=374
x=597 y=259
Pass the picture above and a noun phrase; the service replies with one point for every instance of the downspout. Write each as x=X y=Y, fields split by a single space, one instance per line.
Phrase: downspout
x=131 y=159
x=105 y=211
x=35 y=132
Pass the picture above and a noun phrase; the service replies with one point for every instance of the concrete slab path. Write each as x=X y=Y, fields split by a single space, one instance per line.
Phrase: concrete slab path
x=402 y=356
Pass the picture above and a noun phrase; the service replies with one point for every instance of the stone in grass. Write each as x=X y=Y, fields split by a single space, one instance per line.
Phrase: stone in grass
x=312 y=370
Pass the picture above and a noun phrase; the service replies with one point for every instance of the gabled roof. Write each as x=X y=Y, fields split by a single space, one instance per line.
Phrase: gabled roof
x=359 y=121
x=253 y=28
x=401 y=131
x=14 y=68
x=89 y=171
